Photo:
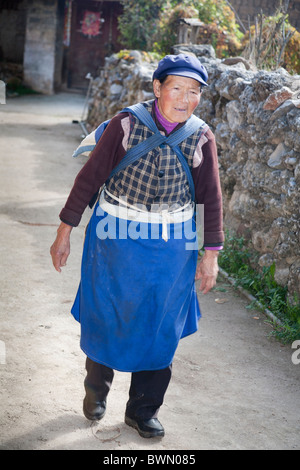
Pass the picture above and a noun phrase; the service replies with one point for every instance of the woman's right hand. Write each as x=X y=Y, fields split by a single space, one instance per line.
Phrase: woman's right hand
x=60 y=249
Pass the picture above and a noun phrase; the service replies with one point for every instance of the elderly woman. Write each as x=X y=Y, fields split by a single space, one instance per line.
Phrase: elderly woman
x=136 y=297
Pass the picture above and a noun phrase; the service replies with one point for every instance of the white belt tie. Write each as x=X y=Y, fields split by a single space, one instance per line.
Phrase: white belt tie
x=131 y=212
x=165 y=221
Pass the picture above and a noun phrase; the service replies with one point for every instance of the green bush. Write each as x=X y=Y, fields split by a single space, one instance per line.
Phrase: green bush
x=153 y=25
x=167 y=33
x=238 y=261
x=219 y=25
x=139 y=23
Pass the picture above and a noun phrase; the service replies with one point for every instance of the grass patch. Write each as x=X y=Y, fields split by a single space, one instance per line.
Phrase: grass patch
x=16 y=86
x=238 y=261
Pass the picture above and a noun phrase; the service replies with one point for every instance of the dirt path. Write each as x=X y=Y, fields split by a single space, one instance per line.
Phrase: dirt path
x=232 y=386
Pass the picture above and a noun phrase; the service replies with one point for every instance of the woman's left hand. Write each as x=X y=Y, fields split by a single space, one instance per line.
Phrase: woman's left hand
x=207 y=270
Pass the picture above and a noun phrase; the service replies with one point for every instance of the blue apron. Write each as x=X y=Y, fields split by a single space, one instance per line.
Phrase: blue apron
x=136 y=297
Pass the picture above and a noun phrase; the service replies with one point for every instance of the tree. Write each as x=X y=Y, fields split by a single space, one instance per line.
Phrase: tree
x=219 y=26
x=272 y=42
x=139 y=22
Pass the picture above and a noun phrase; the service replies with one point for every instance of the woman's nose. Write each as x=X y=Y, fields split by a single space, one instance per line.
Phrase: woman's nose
x=184 y=97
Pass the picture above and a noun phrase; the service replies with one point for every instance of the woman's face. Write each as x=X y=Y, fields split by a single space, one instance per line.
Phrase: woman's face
x=178 y=97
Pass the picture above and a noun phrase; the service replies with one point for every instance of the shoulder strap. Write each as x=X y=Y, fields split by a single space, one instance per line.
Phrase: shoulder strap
x=187 y=169
x=135 y=153
x=192 y=125
x=141 y=112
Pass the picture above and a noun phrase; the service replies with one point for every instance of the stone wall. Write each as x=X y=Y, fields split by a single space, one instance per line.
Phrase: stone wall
x=123 y=82
x=255 y=116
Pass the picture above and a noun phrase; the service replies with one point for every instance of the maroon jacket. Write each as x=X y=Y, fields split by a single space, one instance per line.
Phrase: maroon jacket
x=108 y=153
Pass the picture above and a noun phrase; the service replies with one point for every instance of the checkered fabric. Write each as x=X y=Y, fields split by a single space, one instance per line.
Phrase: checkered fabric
x=157 y=178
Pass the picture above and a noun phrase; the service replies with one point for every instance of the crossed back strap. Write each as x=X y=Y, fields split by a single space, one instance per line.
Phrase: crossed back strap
x=157 y=139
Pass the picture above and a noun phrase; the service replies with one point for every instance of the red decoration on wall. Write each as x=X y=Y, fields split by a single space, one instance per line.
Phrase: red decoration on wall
x=91 y=23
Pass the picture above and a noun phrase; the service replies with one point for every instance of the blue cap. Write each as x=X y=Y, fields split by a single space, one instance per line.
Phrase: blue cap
x=183 y=65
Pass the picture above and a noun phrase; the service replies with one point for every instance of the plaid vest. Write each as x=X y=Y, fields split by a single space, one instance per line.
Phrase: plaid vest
x=157 y=179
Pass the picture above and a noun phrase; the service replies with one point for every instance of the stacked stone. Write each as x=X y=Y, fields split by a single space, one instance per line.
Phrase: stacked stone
x=255 y=116
x=256 y=119
x=125 y=80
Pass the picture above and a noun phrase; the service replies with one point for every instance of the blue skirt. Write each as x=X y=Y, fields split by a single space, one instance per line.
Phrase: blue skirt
x=136 y=297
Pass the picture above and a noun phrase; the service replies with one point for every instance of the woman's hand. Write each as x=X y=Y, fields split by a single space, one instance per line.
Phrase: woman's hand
x=60 y=249
x=207 y=270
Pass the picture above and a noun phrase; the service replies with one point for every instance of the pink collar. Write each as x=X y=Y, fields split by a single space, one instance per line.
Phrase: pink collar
x=169 y=126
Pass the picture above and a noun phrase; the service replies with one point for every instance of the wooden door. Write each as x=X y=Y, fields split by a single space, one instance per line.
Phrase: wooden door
x=94 y=35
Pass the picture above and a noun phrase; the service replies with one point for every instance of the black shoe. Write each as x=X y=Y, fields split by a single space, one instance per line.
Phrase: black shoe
x=94 y=410
x=146 y=427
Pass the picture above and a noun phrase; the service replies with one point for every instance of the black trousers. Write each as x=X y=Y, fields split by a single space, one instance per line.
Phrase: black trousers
x=146 y=393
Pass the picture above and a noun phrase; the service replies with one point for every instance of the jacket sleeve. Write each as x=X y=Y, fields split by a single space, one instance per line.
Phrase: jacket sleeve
x=208 y=192
x=107 y=154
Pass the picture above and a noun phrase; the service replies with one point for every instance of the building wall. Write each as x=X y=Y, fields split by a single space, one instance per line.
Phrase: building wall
x=12 y=31
x=32 y=35
x=40 y=45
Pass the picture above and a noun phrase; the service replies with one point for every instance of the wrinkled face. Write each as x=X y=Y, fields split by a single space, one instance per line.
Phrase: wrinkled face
x=178 y=97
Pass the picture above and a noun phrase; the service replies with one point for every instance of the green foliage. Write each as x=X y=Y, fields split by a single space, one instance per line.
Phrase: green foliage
x=153 y=26
x=238 y=260
x=219 y=27
x=139 y=22
x=147 y=56
x=218 y=12
x=167 y=32
x=16 y=86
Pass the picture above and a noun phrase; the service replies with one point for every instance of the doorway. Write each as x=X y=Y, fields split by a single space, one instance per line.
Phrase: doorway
x=90 y=35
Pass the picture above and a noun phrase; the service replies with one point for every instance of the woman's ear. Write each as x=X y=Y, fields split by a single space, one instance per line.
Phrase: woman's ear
x=156 y=88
